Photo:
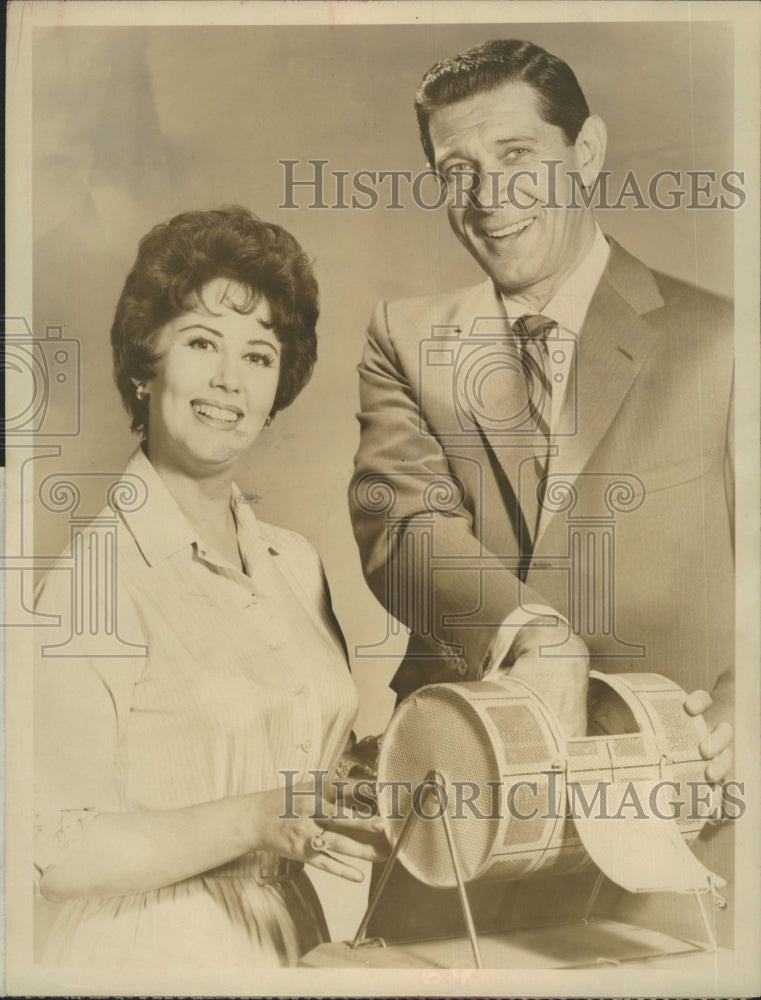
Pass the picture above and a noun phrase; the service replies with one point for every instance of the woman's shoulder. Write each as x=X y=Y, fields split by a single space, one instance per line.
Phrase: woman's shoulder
x=105 y=537
x=301 y=564
x=287 y=542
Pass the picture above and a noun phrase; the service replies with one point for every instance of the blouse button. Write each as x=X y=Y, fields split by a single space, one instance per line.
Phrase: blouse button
x=301 y=690
x=306 y=746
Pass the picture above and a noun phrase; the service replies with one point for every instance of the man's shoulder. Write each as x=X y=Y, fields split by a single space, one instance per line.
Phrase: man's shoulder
x=663 y=298
x=652 y=290
x=693 y=315
x=678 y=293
x=438 y=308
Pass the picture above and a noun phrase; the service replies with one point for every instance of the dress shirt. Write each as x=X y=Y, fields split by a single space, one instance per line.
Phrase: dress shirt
x=232 y=678
x=568 y=308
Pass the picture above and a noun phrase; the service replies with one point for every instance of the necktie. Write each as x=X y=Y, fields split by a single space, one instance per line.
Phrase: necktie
x=532 y=331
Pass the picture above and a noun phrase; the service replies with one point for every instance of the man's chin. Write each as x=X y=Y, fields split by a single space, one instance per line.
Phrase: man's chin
x=509 y=268
x=512 y=281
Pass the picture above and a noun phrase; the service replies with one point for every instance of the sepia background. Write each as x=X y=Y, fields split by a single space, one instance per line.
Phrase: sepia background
x=132 y=125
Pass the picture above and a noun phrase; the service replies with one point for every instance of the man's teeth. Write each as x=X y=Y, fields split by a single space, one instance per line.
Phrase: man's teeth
x=510 y=230
x=216 y=413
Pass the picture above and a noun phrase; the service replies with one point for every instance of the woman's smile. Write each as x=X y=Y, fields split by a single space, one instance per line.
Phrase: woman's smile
x=215 y=382
x=214 y=415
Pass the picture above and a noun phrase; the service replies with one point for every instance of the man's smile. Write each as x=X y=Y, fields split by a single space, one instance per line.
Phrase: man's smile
x=507 y=231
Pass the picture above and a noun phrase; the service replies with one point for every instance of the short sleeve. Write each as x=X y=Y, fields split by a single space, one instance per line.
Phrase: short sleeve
x=81 y=704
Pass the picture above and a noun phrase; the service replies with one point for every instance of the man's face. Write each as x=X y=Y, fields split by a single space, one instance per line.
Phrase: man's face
x=483 y=145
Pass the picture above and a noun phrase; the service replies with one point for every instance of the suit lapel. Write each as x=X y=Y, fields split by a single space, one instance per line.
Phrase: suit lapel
x=612 y=348
x=493 y=391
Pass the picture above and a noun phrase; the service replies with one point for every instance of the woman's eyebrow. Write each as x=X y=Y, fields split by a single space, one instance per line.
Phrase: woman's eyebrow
x=200 y=326
x=265 y=343
x=210 y=329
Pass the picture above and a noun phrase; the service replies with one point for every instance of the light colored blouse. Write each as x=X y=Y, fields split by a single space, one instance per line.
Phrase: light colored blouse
x=235 y=678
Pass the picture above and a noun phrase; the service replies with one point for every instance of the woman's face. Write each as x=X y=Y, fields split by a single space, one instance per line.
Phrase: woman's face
x=215 y=382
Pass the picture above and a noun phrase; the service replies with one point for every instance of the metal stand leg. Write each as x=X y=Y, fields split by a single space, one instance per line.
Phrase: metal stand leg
x=711 y=944
x=436 y=781
x=466 y=911
x=592 y=898
x=359 y=937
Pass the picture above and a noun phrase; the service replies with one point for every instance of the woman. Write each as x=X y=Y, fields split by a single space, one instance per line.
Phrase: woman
x=159 y=775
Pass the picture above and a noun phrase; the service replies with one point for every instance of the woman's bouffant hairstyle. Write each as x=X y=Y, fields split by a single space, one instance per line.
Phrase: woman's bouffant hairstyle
x=177 y=259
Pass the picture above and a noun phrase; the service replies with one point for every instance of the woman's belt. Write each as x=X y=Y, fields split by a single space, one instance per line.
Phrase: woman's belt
x=263 y=866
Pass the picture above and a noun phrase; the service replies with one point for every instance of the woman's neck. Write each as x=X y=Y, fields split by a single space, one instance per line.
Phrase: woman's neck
x=205 y=502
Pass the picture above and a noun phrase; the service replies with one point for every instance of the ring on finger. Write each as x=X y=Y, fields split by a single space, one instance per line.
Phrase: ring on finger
x=317 y=843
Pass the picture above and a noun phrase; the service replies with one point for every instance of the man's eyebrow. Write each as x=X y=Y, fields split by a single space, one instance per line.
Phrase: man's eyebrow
x=454 y=154
x=515 y=138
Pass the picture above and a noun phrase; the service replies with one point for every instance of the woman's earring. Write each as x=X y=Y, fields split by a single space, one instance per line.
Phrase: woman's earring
x=268 y=421
x=141 y=391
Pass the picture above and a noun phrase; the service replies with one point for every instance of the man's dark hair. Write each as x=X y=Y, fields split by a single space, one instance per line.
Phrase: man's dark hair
x=177 y=259
x=492 y=64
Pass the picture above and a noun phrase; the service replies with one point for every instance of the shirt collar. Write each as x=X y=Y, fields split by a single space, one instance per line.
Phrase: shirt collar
x=570 y=303
x=251 y=542
x=161 y=529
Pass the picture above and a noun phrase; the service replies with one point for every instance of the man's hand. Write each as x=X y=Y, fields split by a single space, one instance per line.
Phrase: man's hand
x=716 y=748
x=556 y=664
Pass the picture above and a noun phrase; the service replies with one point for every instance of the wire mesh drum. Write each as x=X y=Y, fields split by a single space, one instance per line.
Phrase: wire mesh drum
x=510 y=782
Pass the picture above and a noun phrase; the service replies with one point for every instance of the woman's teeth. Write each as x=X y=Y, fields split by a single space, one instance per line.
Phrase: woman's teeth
x=216 y=413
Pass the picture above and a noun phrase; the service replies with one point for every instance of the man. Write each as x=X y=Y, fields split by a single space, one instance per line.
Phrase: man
x=545 y=468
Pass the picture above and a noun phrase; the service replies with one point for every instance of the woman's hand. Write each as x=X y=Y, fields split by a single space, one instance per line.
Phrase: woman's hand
x=371 y=831
x=120 y=853
x=323 y=842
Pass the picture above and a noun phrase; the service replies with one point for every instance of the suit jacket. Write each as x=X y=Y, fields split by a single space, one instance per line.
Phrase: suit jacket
x=635 y=546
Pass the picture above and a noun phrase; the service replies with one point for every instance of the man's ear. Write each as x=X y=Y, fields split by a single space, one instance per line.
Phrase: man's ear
x=590 y=148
